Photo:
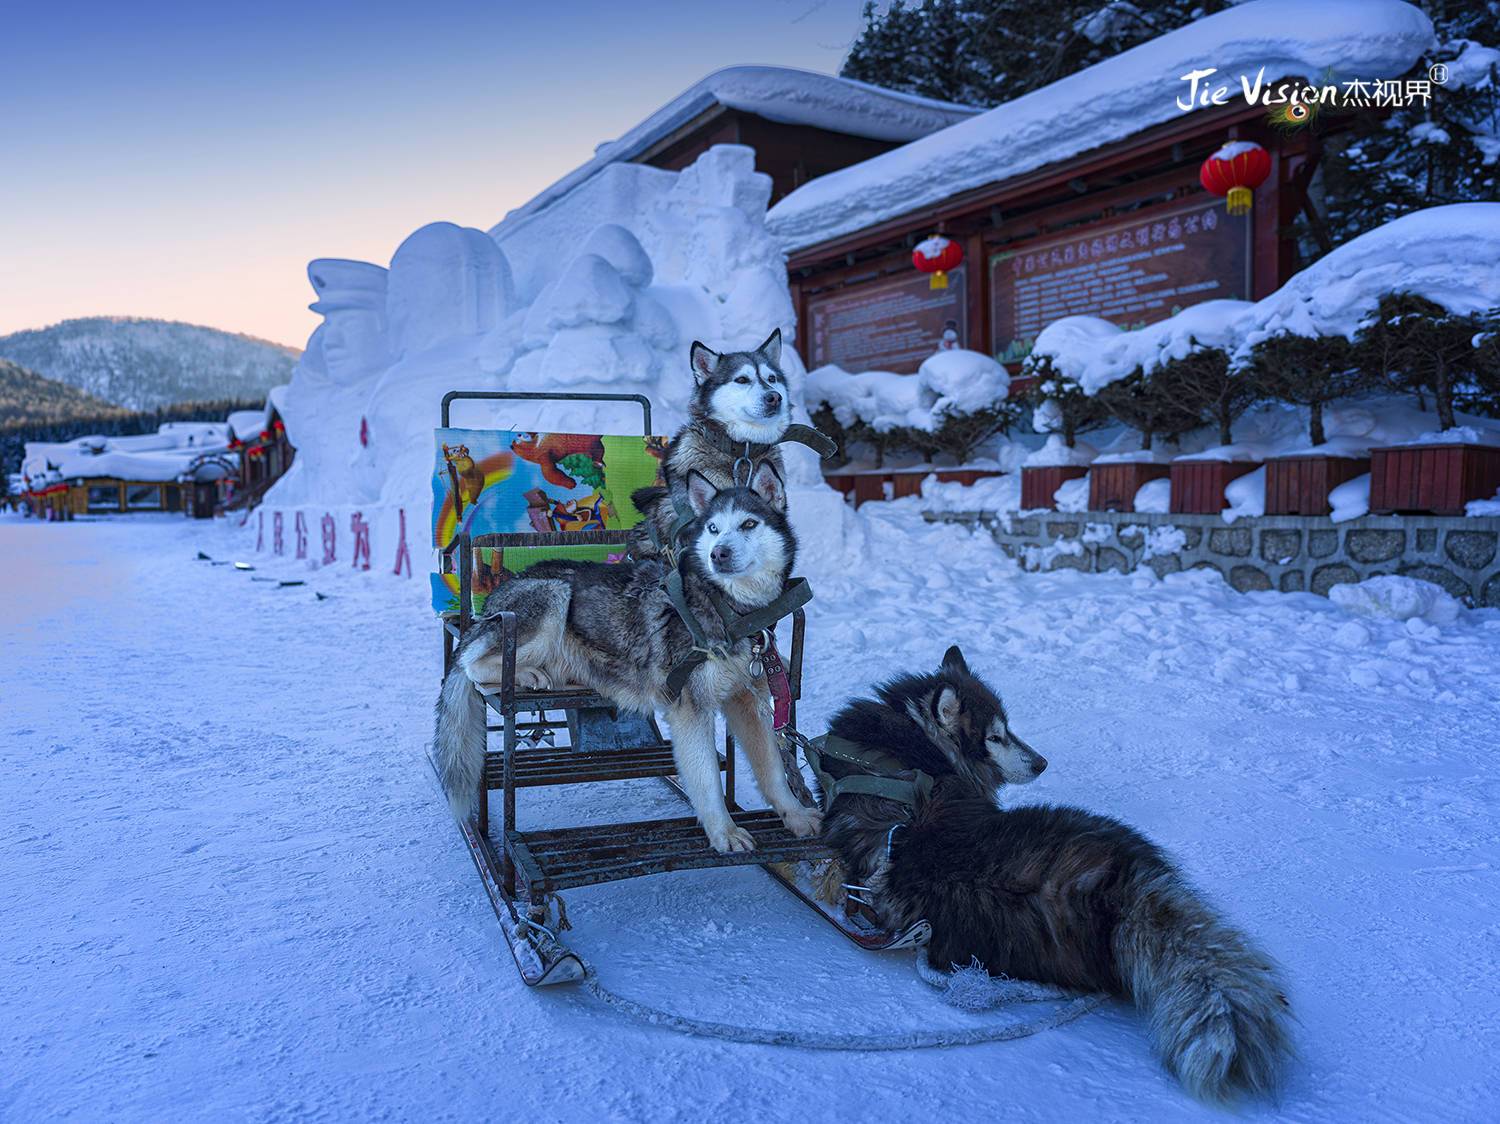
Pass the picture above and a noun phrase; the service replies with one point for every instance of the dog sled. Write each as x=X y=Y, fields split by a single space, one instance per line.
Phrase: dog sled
x=504 y=500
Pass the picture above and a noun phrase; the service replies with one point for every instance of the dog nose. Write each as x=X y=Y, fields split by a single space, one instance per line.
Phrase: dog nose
x=722 y=556
x=1039 y=764
x=773 y=401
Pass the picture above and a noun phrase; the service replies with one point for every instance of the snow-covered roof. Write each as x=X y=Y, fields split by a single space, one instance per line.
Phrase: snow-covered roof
x=163 y=455
x=1109 y=102
x=245 y=424
x=777 y=93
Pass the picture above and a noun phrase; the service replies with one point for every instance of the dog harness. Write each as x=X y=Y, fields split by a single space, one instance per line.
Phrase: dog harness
x=871 y=779
x=737 y=626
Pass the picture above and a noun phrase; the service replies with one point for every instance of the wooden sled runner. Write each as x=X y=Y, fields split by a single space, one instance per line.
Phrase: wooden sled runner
x=490 y=522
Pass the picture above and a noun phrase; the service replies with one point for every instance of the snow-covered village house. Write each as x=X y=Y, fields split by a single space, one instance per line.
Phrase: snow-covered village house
x=197 y=468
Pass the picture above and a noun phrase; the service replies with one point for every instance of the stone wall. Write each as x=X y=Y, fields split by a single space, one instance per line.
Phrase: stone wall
x=1291 y=553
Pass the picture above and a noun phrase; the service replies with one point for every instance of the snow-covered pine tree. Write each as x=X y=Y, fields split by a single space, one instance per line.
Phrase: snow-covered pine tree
x=1447 y=151
x=984 y=52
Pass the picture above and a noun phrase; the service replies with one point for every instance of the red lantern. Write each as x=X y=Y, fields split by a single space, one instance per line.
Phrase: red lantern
x=937 y=255
x=1236 y=170
x=279 y=427
x=265 y=435
x=235 y=444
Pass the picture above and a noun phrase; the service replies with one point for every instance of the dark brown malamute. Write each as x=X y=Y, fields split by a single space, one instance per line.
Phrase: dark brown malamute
x=1043 y=893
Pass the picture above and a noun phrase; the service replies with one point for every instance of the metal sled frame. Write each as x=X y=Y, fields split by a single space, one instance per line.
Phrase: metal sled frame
x=522 y=871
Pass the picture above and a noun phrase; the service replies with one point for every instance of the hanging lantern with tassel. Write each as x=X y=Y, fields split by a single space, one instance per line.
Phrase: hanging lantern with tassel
x=1235 y=171
x=937 y=255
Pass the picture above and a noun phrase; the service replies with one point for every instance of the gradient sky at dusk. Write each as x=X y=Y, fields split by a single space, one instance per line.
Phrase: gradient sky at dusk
x=185 y=161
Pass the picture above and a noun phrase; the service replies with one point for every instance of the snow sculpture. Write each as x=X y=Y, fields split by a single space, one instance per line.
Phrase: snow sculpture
x=449 y=292
x=445 y=281
x=604 y=290
x=325 y=399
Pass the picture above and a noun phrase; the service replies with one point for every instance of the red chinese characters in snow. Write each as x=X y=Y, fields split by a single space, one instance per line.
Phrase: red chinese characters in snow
x=1235 y=171
x=330 y=530
x=937 y=255
x=361 y=531
x=402 y=554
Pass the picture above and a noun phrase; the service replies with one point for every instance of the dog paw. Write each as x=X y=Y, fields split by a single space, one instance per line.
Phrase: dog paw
x=532 y=679
x=802 y=821
x=729 y=838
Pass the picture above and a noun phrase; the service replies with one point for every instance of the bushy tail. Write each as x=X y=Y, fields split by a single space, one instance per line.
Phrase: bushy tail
x=1213 y=1000
x=458 y=743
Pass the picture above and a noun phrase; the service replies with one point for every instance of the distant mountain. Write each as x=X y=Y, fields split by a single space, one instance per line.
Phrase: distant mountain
x=143 y=364
x=28 y=396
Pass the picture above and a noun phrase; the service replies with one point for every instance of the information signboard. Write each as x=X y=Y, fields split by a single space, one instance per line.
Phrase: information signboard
x=1132 y=271
x=891 y=324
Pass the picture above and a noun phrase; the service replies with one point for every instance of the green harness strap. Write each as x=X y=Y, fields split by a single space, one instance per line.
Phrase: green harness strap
x=737 y=626
x=868 y=781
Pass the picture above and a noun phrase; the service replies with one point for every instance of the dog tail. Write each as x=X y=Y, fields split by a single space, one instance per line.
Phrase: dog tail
x=1214 y=1001
x=459 y=740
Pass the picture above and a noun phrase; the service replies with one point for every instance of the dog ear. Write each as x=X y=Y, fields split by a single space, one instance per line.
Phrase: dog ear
x=702 y=360
x=947 y=709
x=953 y=660
x=701 y=491
x=766 y=483
x=771 y=349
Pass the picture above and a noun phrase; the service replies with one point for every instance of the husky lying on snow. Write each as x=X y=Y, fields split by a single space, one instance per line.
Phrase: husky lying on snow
x=612 y=627
x=1042 y=893
x=739 y=410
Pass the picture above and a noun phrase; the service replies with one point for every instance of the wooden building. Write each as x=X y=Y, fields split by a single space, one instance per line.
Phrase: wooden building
x=1124 y=231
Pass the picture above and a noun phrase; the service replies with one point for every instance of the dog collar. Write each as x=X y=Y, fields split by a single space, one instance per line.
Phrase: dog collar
x=869 y=779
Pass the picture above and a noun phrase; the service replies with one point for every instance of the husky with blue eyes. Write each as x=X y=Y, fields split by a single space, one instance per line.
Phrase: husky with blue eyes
x=738 y=415
x=613 y=627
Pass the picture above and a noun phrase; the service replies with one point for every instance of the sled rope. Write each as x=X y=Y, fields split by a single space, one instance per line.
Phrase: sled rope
x=823 y=1040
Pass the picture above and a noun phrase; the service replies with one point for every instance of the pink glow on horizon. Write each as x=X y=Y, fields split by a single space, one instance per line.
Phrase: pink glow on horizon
x=189 y=172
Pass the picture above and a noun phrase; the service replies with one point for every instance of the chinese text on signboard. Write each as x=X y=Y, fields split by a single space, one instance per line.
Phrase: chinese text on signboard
x=889 y=325
x=1130 y=271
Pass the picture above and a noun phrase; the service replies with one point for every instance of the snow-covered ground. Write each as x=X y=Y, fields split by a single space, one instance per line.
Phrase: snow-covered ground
x=232 y=890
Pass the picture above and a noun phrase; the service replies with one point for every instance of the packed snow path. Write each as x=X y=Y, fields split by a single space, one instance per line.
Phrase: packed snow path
x=232 y=891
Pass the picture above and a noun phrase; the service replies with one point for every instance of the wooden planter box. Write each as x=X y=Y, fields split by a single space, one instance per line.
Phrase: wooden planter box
x=1039 y=484
x=1112 y=487
x=1300 y=485
x=1432 y=478
x=861 y=487
x=1198 y=486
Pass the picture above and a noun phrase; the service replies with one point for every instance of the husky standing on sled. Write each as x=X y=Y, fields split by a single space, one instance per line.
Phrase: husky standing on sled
x=739 y=413
x=613 y=627
x=1040 y=893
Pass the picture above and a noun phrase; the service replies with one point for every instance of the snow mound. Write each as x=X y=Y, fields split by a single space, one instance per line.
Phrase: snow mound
x=1055 y=454
x=1350 y=500
x=1395 y=598
x=956 y=380
x=1446 y=254
x=1094 y=352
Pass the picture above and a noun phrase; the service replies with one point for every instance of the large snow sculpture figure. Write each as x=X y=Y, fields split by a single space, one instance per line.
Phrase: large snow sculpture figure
x=445 y=281
x=325 y=400
x=448 y=294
